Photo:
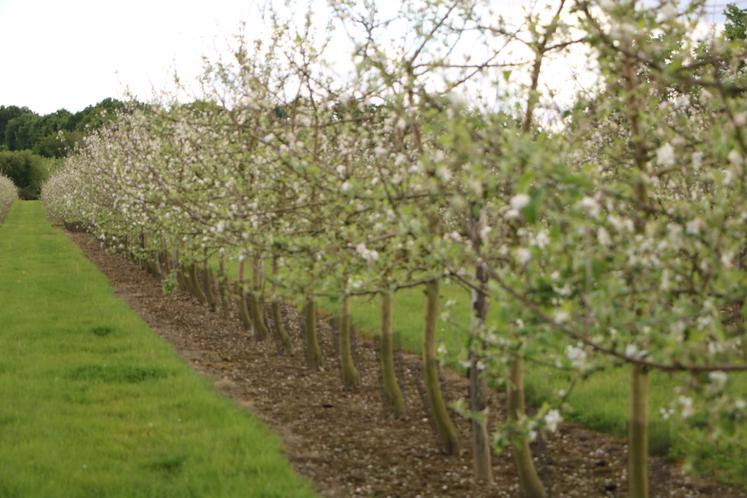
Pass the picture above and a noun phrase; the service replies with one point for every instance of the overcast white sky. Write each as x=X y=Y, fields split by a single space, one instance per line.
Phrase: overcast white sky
x=73 y=53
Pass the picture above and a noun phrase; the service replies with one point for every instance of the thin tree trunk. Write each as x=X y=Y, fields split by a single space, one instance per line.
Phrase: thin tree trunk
x=246 y=321
x=181 y=276
x=638 y=433
x=313 y=352
x=280 y=330
x=281 y=333
x=444 y=426
x=207 y=282
x=212 y=284
x=222 y=282
x=195 y=280
x=478 y=388
x=350 y=376
x=638 y=429
x=165 y=263
x=393 y=398
x=530 y=483
x=178 y=269
x=260 y=329
x=481 y=444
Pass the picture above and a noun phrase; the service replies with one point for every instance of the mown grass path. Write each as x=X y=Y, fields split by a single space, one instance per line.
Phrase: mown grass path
x=94 y=404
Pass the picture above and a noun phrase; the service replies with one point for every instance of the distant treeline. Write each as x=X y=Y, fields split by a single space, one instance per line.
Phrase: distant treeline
x=51 y=135
x=32 y=145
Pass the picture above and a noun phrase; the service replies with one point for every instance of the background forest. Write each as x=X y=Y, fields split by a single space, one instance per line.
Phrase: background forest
x=31 y=145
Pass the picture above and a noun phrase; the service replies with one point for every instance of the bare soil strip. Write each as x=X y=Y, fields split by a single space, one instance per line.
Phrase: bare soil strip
x=341 y=440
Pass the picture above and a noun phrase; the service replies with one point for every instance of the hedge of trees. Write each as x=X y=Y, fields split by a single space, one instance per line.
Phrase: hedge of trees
x=613 y=235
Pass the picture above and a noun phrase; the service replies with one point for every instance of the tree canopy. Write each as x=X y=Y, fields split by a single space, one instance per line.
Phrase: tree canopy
x=736 y=23
x=54 y=134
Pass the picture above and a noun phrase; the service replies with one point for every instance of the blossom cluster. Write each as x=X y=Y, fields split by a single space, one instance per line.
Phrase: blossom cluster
x=8 y=194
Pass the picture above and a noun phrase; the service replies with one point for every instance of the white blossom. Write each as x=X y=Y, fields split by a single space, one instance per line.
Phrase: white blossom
x=523 y=255
x=576 y=355
x=718 y=377
x=697 y=160
x=665 y=155
x=735 y=157
x=603 y=236
x=687 y=407
x=542 y=239
x=561 y=316
x=552 y=419
x=694 y=226
x=519 y=201
x=666 y=12
x=591 y=206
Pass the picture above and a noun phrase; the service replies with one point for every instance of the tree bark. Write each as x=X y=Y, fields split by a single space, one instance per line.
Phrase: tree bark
x=350 y=375
x=207 y=284
x=530 y=483
x=393 y=398
x=281 y=332
x=313 y=351
x=638 y=433
x=478 y=388
x=260 y=329
x=246 y=321
x=195 y=282
x=222 y=282
x=437 y=406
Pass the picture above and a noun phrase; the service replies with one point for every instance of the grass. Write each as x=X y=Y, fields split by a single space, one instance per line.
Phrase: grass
x=94 y=404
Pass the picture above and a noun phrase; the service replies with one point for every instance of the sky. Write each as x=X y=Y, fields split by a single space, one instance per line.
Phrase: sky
x=70 y=54
x=73 y=53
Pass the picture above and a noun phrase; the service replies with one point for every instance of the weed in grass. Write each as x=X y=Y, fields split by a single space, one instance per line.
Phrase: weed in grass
x=124 y=373
x=169 y=466
x=102 y=331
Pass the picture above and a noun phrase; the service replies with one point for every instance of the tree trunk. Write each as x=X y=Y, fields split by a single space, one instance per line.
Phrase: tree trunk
x=246 y=321
x=529 y=481
x=165 y=263
x=222 y=282
x=313 y=352
x=207 y=284
x=444 y=426
x=393 y=398
x=281 y=333
x=481 y=444
x=260 y=329
x=350 y=376
x=195 y=281
x=638 y=433
x=478 y=388
x=180 y=277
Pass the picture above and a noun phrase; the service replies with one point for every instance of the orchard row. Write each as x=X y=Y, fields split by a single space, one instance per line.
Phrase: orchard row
x=8 y=194
x=610 y=232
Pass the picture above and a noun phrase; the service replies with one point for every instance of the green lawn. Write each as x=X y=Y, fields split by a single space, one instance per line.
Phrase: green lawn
x=94 y=404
